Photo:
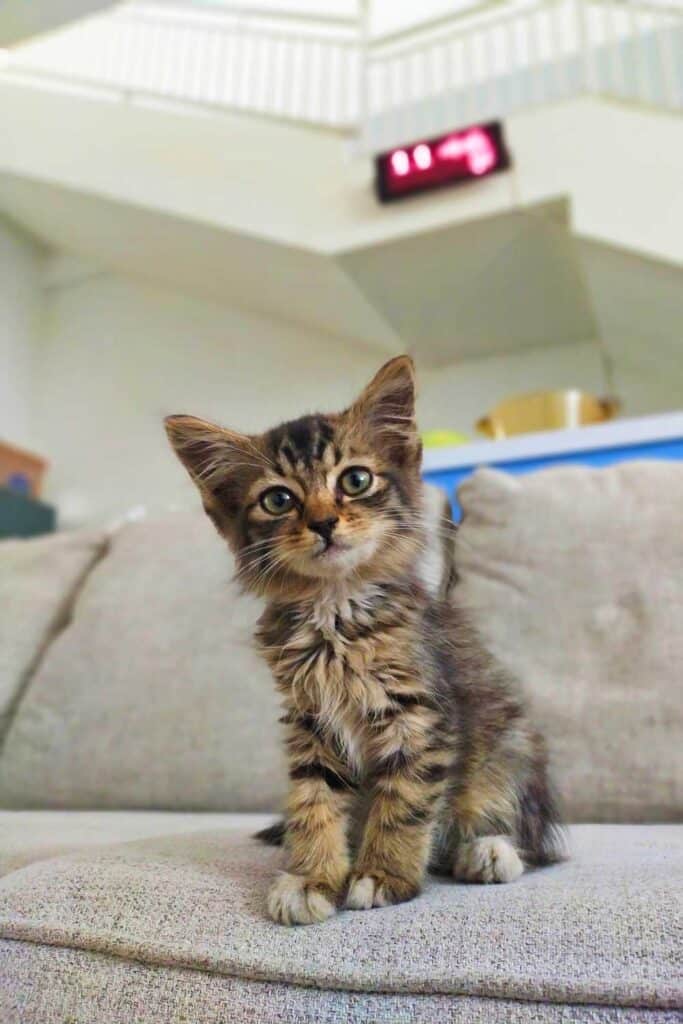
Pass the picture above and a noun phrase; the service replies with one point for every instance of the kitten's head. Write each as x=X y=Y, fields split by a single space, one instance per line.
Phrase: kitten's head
x=320 y=498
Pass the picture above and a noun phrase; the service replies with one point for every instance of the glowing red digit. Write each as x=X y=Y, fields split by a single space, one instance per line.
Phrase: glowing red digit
x=422 y=155
x=400 y=162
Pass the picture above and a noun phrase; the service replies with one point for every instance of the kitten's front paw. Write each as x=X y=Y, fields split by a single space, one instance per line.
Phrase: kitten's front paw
x=379 y=890
x=294 y=899
x=487 y=859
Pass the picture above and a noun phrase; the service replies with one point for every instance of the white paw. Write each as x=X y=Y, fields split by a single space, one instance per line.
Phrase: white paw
x=488 y=859
x=294 y=900
x=364 y=893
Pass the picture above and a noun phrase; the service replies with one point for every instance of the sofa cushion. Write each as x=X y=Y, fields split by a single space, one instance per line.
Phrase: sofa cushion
x=574 y=578
x=38 y=580
x=27 y=836
x=153 y=696
x=601 y=929
x=54 y=985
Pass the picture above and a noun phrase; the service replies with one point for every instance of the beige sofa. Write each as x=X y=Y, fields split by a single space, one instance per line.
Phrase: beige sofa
x=140 y=751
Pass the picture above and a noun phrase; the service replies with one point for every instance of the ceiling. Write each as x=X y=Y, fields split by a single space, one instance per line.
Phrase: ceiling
x=22 y=19
x=272 y=218
x=293 y=284
x=496 y=284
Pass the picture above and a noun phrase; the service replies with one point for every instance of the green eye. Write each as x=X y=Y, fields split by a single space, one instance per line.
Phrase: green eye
x=355 y=481
x=277 y=501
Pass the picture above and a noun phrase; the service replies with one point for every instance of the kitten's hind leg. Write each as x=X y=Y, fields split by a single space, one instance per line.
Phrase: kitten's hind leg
x=484 y=811
x=487 y=859
x=504 y=813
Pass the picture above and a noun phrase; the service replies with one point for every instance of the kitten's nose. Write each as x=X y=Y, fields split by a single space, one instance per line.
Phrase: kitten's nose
x=324 y=527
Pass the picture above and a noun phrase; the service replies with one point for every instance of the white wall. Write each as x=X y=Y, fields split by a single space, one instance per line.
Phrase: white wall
x=20 y=306
x=646 y=378
x=455 y=397
x=118 y=355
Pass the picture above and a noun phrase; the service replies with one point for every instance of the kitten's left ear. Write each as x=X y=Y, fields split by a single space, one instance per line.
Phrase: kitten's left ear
x=387 y=407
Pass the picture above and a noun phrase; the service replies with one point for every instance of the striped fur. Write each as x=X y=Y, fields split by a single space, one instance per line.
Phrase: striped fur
x=408 y=745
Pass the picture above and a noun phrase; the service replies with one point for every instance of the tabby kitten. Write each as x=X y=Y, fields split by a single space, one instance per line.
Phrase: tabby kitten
x=387 y=690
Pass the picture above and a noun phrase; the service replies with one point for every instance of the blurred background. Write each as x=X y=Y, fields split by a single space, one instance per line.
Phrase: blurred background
x=193 y=218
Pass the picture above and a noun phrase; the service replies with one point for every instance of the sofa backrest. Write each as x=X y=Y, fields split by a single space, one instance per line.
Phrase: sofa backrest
x=574 y=579
x=152 y=695
x=38 y=581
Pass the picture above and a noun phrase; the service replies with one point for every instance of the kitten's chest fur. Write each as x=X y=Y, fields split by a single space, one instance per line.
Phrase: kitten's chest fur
x=340 y=657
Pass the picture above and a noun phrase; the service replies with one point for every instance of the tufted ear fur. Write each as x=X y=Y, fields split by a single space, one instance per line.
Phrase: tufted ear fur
x=216 y=459
x=387 y=407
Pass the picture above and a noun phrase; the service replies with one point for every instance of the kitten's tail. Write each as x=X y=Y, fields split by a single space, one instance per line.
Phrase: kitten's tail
x=272 y=835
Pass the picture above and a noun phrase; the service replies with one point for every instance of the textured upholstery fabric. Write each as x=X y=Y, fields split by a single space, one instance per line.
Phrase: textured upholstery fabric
x=602 y=929
x=38 y=580
x=153 y=696
x=51 y=985
x=574 y=577
x=27 y=836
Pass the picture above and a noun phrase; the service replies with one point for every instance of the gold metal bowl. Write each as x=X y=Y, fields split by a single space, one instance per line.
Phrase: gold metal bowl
x=546 y=410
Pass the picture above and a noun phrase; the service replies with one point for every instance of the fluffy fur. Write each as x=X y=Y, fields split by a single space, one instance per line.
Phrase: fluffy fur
x=395 y=717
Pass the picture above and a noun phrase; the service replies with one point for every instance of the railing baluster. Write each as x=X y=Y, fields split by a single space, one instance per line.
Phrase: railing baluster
x=537 y=84
x=199 y=67
x=620 y=55
x=491 y=71
x=256 y=76
x=460 y=70
x=296 y=59
x=613 y=52
x=587 y=39
x=288 y=63
x=601 y=49
x=511 y=48
x=272 y=78
x=557 y=57
x=468 y=83
x=321 y=91
x=334 y=80
x=639 y=83
x=307 y=79
x=667 y=61
x=157 y=76
x=237 y=49
x=354 y=98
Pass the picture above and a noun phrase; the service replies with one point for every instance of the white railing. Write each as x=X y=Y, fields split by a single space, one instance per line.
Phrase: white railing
x=303 y=68
x=492 y=62
x=476 y=64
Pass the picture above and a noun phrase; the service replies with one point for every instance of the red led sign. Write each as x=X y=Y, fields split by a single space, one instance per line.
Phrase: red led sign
x=448 y=160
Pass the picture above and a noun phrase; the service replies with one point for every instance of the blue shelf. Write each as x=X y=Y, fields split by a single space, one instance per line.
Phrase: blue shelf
x=512 y=460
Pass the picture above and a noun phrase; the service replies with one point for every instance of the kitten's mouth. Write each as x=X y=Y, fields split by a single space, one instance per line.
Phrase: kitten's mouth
x=336 y=557
x=332 y=549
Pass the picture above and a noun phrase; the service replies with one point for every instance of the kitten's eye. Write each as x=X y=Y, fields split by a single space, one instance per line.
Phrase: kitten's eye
x=355 y=481
x=277 y=501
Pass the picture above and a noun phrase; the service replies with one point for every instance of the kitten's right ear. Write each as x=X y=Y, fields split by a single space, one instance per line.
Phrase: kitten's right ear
x=212 y=456
x=387 y=407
